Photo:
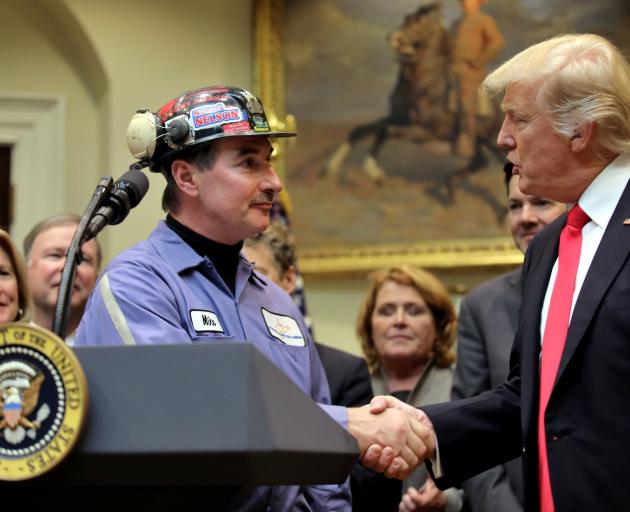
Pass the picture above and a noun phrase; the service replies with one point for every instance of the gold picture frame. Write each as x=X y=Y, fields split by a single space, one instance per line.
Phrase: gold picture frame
x=443 y=253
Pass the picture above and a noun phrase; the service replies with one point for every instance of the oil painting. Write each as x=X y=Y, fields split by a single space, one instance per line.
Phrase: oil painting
x=396 y=152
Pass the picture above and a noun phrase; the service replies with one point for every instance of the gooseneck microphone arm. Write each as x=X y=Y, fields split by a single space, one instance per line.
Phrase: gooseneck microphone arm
x=126 y=193
x=73 y=256
x=110 y=204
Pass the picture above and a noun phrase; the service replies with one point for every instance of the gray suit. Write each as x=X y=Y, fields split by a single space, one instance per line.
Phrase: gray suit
x=487 y=325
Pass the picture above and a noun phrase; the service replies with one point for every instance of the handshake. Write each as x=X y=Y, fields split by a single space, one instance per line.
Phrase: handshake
x=394 y=437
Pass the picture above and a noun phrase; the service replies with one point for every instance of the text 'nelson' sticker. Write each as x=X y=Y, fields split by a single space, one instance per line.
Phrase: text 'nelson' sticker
x=205 y=321
x=215 y=114
x=283 y=328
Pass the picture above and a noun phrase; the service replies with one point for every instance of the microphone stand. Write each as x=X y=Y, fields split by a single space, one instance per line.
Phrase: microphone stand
x=73 y=256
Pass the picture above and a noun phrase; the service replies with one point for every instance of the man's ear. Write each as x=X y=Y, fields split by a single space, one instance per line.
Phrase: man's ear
x=582 y=136
x=185 y=176
x=289 y=280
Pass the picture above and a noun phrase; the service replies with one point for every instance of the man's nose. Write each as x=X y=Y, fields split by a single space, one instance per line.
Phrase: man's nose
x=272 y=181
x=505 y=139
x=528 y=214
x=61 y=262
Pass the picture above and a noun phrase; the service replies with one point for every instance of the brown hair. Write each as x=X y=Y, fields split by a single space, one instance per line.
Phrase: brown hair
x=432 y=292
x=202 y=157
x=17 y=261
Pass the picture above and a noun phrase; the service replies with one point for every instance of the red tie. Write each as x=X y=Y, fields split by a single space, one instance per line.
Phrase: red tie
x=555 y=336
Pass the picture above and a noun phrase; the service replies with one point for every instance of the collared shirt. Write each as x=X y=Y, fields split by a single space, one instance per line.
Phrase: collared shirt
x=162 y=291
x=598 y=201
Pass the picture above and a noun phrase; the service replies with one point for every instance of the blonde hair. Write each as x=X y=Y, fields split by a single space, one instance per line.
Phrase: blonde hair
x=580 y=78
x=432 y=292
x=17 y=261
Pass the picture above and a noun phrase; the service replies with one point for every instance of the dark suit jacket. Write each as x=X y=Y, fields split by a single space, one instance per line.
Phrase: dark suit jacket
x=589 y=409
x=488 y=317
x=348 y=377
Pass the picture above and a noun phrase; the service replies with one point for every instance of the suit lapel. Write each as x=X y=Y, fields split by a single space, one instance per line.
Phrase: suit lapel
x=544 y=254
x=612 y=252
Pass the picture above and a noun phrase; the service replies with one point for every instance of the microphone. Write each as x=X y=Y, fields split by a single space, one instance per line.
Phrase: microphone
x=125 y=194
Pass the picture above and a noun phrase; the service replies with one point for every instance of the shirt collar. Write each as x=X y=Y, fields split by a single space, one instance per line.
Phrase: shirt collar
x=600 y=198
x=181 y=256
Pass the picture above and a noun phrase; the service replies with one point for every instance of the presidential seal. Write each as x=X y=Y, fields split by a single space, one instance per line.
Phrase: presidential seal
x=43 y=401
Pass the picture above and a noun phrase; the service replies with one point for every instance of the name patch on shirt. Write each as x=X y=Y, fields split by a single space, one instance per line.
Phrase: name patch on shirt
x=283 y=328
x=205 y=321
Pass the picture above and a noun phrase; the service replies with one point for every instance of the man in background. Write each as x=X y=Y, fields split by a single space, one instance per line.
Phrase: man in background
x=45 y=248
x=488 y=318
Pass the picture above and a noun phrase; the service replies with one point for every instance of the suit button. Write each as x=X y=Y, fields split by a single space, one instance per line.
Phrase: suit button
x=555 y=438
x=524 y=449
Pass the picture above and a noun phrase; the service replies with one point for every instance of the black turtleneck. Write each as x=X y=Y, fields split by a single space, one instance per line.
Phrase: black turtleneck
x=225 y=258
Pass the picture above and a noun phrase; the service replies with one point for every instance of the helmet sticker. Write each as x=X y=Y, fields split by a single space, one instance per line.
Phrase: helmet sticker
x=214 y=114
x=166 y=111
x=254 y=106
x=260 y=123
x=232 y=128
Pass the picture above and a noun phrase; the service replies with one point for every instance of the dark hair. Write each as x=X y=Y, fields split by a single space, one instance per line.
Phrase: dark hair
x=507 y=175
x=202 y=157
x=60 y=219
x=432 y=292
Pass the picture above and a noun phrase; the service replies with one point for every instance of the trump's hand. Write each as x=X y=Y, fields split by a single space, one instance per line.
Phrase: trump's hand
x=379 y=457
x=391 y=439
x=382 y=402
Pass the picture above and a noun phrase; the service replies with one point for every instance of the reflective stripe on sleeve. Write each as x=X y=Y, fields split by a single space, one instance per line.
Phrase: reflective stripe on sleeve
x=115 y=313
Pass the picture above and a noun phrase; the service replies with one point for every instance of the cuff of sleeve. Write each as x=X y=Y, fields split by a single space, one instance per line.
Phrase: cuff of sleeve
x=436 y=463
x=337 y=413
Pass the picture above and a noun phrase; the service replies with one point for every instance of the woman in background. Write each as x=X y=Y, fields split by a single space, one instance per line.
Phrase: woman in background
x=407 y=327
x=14 y=298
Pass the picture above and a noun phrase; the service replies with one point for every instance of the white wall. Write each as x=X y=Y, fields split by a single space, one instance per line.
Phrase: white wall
x=105 y=60
x=152 y=51
x=32 y=67
x=333 y=306
x=334 y=303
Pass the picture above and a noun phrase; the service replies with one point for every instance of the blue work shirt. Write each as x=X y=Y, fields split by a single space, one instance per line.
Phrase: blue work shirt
x=162 y=291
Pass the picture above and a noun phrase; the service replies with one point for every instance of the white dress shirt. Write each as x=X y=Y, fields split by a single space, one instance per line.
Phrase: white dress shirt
x=598 y=201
